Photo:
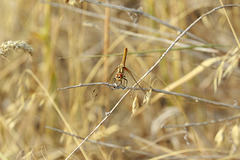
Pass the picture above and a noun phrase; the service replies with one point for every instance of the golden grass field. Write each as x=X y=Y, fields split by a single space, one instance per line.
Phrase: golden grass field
x=47 y=46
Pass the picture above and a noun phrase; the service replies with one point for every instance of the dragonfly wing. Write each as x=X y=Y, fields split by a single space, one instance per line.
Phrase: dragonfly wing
x=100 y=89
x=133 y=77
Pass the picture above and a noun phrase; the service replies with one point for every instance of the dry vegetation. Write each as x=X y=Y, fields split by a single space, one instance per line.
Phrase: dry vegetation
x=66 y=42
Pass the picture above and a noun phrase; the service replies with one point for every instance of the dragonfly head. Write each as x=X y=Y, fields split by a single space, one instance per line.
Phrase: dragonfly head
x=119 y=76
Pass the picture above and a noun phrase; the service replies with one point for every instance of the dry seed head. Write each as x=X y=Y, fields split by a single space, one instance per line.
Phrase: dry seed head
x=235 y=134
x=7 y=46
x=147 y=97
x=228 y=63
x=219 y=138
x=135 y=105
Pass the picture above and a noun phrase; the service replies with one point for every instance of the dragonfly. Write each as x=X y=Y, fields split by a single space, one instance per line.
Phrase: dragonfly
x=120 y=79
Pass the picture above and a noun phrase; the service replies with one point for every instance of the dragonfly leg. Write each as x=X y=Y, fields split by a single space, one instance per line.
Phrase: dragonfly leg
x=120 y=85
x=126 y=81
x=114 y=80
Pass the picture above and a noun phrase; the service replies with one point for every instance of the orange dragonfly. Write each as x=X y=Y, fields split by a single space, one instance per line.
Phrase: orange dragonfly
x=120 y=76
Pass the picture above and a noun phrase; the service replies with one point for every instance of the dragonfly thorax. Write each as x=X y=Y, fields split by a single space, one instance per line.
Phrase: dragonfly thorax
x=120 y=73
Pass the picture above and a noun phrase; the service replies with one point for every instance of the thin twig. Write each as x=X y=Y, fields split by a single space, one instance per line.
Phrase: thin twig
x=159 y=60
x=122 y=8
x=88 y=84
x=103 y=143
x=96 y=128
x=117 y=20
x=100 y=16
x=182 y=34
x=126 y=23
x=196 y=99
x=202 y=123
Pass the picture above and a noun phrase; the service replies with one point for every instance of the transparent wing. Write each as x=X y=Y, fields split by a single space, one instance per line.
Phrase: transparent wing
x=132 y=77
x=101 y=88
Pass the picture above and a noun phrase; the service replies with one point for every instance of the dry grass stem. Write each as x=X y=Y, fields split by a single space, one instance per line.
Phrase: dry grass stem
x=184 y=106
x=203 y=123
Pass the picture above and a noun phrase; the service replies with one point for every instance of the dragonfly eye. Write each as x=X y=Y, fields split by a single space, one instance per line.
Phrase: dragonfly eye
x=119 y=77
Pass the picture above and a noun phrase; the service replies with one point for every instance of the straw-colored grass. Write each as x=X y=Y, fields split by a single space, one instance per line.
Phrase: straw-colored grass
x=65 y=43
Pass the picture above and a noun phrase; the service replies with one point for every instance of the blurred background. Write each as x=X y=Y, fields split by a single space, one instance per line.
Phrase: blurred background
x=69 y=41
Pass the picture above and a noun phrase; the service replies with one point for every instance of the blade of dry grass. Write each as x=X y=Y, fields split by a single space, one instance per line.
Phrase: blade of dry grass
x=54 y=105
x=157 y=62
x=230 y=24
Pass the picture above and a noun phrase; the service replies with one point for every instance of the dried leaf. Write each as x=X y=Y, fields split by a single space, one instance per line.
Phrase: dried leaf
x=215 y=85
x=218 y=76
x=33 y=97
x=220 y=72
x=147 y=97
x=135 y=105
x=228 y=64
x=41 y=102
x=235 y=134
x=219 y=137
